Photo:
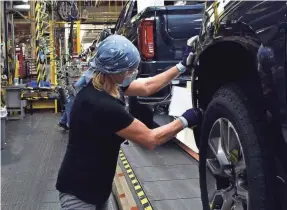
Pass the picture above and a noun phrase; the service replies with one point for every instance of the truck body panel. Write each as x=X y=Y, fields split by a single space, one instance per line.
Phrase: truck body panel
x=172 y=27
x=260 y=28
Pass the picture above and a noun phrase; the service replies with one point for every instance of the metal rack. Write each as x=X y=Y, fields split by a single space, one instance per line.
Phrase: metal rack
x=31 y=68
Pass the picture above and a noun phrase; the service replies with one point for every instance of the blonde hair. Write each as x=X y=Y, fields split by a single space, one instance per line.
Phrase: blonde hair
x=106 y=83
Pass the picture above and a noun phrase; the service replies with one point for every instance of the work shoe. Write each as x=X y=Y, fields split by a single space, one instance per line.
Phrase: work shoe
x=62 y=125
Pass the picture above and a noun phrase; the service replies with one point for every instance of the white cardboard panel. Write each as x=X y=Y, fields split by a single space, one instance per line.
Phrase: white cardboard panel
x=180 y=102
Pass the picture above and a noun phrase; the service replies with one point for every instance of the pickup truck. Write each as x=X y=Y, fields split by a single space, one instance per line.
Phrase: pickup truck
x=160 y=33
x=240 y=81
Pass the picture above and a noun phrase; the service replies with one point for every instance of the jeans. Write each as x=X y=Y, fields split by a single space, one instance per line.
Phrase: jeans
x=65 y=118
x=71 y=202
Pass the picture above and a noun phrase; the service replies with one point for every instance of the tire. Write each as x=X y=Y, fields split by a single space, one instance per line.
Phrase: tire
x=235 y=103
x=74 y=10
x=59 y=9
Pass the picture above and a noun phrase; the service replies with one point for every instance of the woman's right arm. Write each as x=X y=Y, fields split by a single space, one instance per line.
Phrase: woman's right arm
x=150 y=138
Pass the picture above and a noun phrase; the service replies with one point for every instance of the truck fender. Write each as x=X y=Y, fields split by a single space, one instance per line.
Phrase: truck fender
x=264 y=58
x=265 y=68
x=265 y=62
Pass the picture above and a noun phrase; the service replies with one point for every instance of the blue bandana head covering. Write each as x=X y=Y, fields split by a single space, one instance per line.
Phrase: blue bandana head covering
x=114 y=55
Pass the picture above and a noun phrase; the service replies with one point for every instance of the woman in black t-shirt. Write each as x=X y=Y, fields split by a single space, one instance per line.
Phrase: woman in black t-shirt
x=99 y=123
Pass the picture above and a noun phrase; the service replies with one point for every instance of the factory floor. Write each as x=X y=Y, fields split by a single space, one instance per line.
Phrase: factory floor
x=168 y=176
x=35 y=147
x=30 y=161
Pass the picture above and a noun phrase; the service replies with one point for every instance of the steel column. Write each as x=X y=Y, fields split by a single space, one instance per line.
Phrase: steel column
x=38 y=35
x=78 y=29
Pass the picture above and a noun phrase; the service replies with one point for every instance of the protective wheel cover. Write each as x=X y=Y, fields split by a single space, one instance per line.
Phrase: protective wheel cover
x=236 y=172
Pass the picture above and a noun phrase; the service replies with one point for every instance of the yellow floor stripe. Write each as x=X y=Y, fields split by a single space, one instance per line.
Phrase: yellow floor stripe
x=144 y=201
x=137 y=187
x=141 y=193
x=139 y=190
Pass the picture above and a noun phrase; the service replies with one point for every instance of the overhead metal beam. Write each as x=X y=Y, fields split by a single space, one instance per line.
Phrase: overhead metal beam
x=99 y=21
x=22 y=22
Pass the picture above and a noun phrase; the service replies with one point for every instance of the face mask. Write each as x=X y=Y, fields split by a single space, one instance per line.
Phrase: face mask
x=129 y=79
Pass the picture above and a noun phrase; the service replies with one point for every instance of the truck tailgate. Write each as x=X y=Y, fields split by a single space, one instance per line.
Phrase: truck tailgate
x=176 y=25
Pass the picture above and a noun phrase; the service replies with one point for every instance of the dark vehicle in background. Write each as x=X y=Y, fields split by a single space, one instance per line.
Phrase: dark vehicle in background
x=240 y=82
x=160 y=33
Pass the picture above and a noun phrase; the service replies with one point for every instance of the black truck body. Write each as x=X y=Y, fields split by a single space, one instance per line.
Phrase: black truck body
x=160 y=33
x=241 y=68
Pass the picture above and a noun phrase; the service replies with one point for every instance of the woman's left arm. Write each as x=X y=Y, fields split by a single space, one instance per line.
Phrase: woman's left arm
x=151 y=85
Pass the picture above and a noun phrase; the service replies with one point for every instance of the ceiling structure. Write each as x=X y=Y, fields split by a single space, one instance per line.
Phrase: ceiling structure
x=101 y=14
x=104 y=14
x=90 y=32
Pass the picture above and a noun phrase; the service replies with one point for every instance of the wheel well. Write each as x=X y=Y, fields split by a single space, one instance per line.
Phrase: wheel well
x=223 y=63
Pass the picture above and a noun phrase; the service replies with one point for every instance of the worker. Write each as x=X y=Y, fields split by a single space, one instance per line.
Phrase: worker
x=65 y=118
x=100 y=123
x=72 y=90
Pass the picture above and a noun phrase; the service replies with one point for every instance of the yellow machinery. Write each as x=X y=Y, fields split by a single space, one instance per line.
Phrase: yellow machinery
x=45 y=24
x=43 y=27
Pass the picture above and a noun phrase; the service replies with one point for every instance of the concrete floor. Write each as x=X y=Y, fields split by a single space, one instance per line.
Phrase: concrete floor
x=30 y=162
x=168 y=176
x=34 y=151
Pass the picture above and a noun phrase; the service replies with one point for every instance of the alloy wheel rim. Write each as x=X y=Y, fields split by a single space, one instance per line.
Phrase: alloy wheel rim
x=226 y=177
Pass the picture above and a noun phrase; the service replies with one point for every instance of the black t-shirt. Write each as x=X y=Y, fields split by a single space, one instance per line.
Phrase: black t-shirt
x=88 y=168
